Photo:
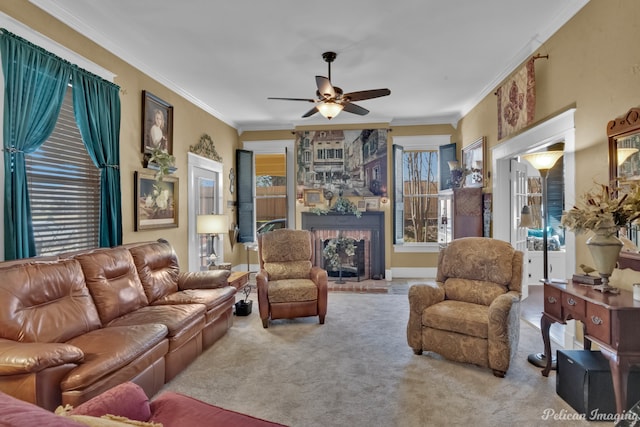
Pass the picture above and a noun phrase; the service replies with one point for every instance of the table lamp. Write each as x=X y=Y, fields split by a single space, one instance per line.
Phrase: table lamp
x=212 y=225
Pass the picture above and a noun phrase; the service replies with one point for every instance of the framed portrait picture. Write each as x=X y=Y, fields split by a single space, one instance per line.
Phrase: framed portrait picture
x=312 y=197
x=157 y=124
x=372 y=203
x=362 y=205
x=156 y=202
x=473 y=159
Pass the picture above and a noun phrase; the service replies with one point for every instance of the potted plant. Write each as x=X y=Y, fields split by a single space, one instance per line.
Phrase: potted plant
x=161 y=161
x=243 y=307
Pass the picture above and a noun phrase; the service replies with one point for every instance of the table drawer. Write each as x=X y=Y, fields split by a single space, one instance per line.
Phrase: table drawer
x=552 y=305
x=572 y=305
x=598 y=323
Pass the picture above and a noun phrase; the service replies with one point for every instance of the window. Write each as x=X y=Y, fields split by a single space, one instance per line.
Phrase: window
x=416 y=185
x=271 y=191
x=64 y=189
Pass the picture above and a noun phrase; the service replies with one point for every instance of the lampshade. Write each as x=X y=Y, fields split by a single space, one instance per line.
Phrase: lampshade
x=212 y=224
x=543 y=160
x=453 y=164
x=526 y=219
x=330 y=109
x=624 y=154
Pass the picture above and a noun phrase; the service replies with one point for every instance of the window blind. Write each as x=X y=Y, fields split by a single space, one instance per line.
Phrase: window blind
x=64 y=189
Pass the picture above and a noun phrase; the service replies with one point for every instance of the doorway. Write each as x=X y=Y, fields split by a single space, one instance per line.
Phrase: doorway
x=559 y=128
x=204 y=197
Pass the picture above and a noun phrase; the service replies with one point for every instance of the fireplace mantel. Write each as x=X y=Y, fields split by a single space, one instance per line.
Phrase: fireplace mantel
x=371 y=221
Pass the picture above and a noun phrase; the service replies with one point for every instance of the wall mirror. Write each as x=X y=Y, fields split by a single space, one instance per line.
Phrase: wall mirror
x=624 y=169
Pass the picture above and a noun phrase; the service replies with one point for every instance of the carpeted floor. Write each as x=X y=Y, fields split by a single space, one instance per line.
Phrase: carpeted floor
x=357 y=370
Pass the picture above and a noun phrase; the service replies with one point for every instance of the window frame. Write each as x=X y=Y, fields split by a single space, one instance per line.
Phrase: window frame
x=413 y=143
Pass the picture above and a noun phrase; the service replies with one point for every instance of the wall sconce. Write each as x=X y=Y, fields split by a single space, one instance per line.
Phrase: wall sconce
x=212 y=225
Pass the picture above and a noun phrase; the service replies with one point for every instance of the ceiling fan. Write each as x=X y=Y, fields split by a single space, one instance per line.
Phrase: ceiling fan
x=331 y=100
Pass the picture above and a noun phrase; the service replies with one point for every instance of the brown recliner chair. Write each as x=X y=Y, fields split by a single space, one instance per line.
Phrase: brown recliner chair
x=471 y=313
x=288 y=285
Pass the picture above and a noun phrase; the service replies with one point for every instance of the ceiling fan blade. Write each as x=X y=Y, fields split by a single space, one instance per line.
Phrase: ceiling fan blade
x=294 y=99
x=366 y=94
x=325 y=88
x=310 y=112
x=355 y=109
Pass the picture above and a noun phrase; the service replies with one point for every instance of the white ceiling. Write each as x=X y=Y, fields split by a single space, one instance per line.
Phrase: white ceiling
x=439 y=58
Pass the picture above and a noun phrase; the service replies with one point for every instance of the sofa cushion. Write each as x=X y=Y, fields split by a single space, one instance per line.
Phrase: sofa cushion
x=109 y=349
x=112 y=278
x=51 y=303
x=288 y=270
x=473 y=291
x=174 y=409
x=292 y=290
x=182 y=320
x=158 y=269
x=457 y=316
x=459 y=259
x=210 y=298
x=127 y=399
x=18 y=413
x=286 y=245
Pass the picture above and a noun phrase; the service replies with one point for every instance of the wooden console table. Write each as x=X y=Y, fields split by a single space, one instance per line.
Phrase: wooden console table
x=609 y=320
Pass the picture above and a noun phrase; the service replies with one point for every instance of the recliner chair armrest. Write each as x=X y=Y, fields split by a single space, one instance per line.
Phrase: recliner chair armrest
x=209 y=279
x=319 y=276
x=504 y=330
x=420 y=297
x=22 y=358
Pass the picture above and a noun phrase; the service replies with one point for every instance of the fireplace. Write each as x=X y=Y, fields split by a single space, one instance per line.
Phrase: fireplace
x=369 y=227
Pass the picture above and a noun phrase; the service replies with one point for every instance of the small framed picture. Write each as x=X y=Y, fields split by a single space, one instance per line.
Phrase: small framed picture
x=473 y=159
x=312 y=197
x=156 y=202
x=362 y=205
x=372 y=203
x=157 y=124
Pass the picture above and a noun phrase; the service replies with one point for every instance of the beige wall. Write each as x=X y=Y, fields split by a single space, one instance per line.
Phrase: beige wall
x=594 y=64
x=190 y=122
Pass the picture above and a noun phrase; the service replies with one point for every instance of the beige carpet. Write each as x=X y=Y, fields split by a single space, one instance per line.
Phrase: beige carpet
x=357 y=370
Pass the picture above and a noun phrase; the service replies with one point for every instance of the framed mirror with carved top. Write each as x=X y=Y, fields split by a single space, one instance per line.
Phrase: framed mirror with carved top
x=624 y=169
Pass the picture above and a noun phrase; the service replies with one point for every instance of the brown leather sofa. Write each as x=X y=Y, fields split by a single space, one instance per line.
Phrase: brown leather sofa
x=75 y=325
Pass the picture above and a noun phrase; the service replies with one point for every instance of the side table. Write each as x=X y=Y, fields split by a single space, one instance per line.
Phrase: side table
x=238 y=279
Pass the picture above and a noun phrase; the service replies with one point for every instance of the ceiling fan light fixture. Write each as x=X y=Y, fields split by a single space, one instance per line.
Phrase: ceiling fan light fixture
x=330 y=109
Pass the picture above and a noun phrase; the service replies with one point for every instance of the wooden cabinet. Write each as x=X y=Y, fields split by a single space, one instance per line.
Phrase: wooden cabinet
x=609 y=320
x=459 y=214
x=535 y=267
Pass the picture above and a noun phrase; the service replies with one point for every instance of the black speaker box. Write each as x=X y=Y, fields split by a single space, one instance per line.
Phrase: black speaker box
x=584 y=381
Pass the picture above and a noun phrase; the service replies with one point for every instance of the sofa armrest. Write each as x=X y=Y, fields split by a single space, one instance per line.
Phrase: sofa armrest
x=22 y=358
x=209 y=279
x=420 y=297
x=504 y=330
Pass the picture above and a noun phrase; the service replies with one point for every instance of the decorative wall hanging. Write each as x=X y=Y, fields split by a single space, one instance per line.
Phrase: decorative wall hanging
x=156 y=202
x=157 y=124
x=206 y=148
x=344 y=163
x=517 y=100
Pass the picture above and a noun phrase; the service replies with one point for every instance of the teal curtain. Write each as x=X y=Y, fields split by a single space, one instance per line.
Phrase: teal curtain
x=96 y=104
x=35 y=84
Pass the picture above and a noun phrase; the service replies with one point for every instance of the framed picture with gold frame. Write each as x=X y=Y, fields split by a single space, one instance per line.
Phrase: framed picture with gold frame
x=156 y=202
x=372 y=203
x=312 y=197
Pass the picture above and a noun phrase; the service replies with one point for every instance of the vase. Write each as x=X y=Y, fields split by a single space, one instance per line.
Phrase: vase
x=605 y=248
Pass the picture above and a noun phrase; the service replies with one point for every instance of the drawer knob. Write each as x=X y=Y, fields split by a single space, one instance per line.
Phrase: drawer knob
x=552 y=300
x=571 y=301
x=596 y=320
